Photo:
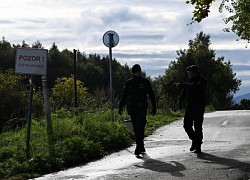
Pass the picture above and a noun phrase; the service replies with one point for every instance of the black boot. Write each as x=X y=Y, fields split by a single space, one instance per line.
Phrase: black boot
x=139 y=150
x=143 y=150
x=193 y=146
x=198 y=148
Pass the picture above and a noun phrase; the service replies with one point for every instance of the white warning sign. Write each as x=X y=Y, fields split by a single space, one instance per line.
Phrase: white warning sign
x=31 y=61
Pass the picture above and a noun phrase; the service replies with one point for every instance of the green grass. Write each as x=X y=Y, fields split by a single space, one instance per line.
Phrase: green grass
x=76 y=139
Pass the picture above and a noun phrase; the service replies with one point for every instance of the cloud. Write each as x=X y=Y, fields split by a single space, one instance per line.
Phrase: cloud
x=242 y=68
x=119 y=16
x=236 y=57
x=6 y=22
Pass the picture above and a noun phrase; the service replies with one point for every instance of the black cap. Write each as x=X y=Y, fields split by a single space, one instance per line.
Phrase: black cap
x=192 y=68
x=136 y=68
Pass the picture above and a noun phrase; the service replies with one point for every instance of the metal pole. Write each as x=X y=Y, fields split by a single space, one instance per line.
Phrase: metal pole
x=110 y=75
x=48 y=114
x=75 y=78
x=29 y=118
x=46 y=100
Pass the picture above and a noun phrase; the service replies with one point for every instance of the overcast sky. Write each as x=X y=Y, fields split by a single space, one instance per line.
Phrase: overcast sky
x=150 y=32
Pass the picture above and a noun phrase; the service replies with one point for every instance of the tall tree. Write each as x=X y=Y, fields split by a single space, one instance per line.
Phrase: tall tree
x=37 y=45
x=60 y=64
x=221 y=80
x=239 y=10
x=7 y=57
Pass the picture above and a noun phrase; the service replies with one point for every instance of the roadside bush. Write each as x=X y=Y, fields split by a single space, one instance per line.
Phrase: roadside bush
x=63 y=93
x=43 y=162
x=6 y=153
x=245 y=104
x=112 y=136
x=209 y=108
x=38 y=106
x=77 y=150
x=13 y=95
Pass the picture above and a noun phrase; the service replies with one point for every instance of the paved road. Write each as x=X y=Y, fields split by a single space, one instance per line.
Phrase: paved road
x=226 y=154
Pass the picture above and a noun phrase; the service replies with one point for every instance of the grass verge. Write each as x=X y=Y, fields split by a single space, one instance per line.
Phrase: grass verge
x=77 y=139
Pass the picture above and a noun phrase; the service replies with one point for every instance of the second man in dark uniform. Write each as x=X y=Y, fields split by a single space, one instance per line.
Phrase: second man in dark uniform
x=194 y=92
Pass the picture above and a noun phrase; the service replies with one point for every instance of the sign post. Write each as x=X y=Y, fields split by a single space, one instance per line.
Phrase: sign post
x=29 y=118
x=33 y=62
x=111 y=39
x=48 y=114
x=75 y=79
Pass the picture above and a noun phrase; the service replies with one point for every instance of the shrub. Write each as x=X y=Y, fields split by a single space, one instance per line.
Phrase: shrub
x=63 y=93
x=42 y=163
x=112 y=135
x=6 y=153
x=77 y=150
x=13 y=95
x=38 y=106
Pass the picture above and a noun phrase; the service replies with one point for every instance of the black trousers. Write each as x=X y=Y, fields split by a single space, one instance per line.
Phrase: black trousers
x=139 y=123
x=193 y=121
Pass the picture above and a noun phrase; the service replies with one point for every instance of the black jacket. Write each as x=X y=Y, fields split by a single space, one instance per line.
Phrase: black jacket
x=194 y=92
x=135 y=93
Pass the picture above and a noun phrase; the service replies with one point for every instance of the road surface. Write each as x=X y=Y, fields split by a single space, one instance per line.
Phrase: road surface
x=226 y=154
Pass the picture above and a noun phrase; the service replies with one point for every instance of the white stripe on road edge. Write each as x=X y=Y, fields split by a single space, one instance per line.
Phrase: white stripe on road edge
x=224 y=123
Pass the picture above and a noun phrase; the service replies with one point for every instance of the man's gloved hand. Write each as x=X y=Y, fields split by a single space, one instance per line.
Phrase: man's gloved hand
x=153 y=111
x=120 y=111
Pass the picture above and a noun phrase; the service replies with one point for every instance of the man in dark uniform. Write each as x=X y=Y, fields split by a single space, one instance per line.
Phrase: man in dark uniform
x=134 y=95
x=194 y=90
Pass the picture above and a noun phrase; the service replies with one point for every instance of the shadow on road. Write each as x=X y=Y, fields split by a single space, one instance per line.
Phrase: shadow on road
x=231 y=163
x=173 y=167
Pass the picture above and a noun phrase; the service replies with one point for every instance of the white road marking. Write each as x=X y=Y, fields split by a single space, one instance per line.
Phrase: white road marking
x=224 y=123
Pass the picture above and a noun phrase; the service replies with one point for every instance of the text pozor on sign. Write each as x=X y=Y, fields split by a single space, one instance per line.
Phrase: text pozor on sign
x=31 y=61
